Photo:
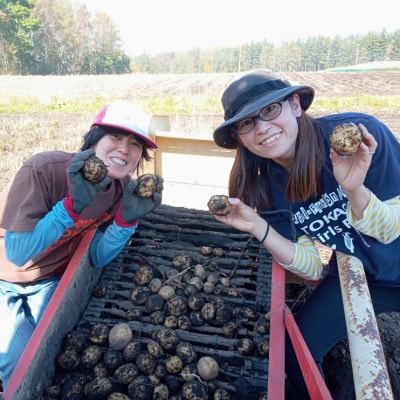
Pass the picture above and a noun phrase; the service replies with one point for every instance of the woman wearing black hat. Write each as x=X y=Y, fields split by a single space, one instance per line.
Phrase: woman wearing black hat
x=289 y=188
x=50 y=205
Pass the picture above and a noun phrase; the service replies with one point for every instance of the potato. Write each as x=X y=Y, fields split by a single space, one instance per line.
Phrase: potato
x=186 y=352
x=196 y=318
x=91 y=356
x=144 y=275
x=218 y=252
x=119 y=336
x=263 y=348
x=100 y=370
x=184 y=322
x=118 y=396
x=139 y=295
x=72 y=388
x=166 y=292
x=168 y=339
x=98 y=388
x=230 y=329
x=208 y=311
x=195 y=302
x=131 y=351
x=68 y=360
x=189 y=372
x=219 y=204
x=207 y=368
x=147 y=185
x=194 y=390
x=140 y=388
x=126 y=373
x=176 y=306
x=94 y=169
x=155 y=285
x=154 y=303
x=99 y=333
x=76 y=340
x=222 y=394
x=173 y=364
x=223 y=312
x=171 y=322
x=208 y=287
x=345 y=139
x=155 y=349
x=160 y=392
x=113 y=359
x=245 y=346
x=146 y=363
x=182 y=262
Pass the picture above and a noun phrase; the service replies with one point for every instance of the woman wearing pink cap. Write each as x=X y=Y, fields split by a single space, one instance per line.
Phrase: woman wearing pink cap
x=49 y=206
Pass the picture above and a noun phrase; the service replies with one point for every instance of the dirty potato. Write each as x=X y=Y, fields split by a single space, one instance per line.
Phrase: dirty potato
x=147 y=185
x=94 y=169
x=345 y=139
x=219 y=204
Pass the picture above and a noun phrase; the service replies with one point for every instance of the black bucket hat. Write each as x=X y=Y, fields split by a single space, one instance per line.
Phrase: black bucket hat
x=250 y=93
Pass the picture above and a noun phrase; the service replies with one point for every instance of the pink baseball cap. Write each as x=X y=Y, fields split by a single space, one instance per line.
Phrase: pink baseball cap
x=128 y=117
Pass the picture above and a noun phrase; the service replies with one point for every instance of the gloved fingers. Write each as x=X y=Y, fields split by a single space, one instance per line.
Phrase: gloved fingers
x=160 y=185
x=102 y=184
x=78 y=161
x=157 y=198
x=131 y=187
x=76 y=166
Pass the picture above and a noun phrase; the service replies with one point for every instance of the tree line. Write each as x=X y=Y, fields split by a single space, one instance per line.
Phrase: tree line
x=54 y=37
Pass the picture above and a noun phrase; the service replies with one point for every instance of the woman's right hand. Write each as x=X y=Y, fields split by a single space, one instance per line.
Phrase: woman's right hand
x=241 y=217
x=81 y=191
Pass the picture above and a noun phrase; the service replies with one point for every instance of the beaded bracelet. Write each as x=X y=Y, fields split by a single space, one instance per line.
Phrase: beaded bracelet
x=265 y=236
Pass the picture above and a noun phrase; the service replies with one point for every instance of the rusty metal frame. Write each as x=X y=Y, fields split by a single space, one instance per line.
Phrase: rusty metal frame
x=371 y=377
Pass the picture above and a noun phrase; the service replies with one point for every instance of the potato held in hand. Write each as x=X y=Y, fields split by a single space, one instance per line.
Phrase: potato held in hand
x=147 y=185
x=219 y=204
x=94 y=169
x=346 y=139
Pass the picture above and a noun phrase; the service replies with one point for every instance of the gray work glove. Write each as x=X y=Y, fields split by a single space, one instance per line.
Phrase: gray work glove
x=81 y=191
x=135 y=207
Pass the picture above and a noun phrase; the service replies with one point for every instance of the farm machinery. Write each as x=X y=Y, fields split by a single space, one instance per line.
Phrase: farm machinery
x=256 y=285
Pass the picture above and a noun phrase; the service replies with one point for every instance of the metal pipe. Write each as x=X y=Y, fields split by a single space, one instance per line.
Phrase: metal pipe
x=371 y=377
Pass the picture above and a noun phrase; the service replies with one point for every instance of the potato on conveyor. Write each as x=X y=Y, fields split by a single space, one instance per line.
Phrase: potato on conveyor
x=345 y=139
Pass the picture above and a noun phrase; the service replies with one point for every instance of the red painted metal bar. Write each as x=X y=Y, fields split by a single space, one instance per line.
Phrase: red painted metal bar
x=315 y=383
x=281 y=318
x=276 y=368
x=11 y=391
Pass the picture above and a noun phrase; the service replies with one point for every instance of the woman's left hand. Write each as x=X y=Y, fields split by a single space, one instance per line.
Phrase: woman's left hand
x=350 y=171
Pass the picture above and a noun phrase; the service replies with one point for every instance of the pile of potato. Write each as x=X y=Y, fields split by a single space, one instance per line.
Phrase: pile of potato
x=108 y=362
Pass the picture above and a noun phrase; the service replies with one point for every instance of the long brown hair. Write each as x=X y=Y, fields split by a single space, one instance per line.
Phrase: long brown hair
x=251 y=176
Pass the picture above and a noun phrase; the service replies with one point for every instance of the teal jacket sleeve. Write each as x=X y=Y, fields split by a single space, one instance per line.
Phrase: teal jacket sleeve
x=23 y=246
x=105 y=246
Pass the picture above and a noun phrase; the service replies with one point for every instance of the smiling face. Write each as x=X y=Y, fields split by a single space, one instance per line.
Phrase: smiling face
x=120 y=152
x=275 y=139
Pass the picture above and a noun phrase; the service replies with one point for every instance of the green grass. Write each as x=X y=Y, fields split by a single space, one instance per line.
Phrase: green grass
x=183 y=105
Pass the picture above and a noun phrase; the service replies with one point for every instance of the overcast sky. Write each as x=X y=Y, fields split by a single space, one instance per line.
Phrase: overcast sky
x=154 y=26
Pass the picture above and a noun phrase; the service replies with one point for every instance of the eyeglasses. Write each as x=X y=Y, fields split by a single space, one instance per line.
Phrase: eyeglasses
x=268 y=113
